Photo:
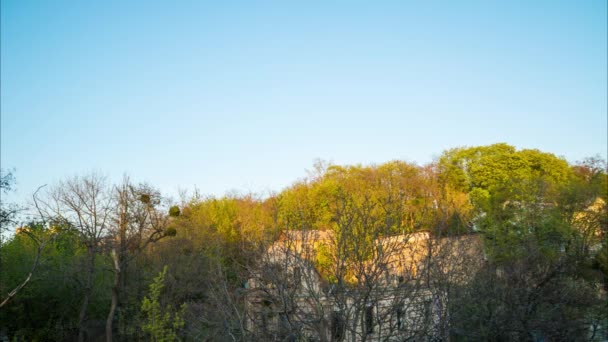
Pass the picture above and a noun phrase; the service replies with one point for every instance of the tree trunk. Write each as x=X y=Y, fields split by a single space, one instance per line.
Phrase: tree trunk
x=121 y=297
x=115 y=292
x=88 y=289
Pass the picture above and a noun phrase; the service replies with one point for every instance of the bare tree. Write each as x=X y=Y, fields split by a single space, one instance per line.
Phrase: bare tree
x=359 y=282
x=85 y=205
x=8 y=211
x=136 y=222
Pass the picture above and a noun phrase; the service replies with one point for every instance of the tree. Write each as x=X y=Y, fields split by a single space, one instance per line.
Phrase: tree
x=45 y=309
x=8 y=211
x=162 y=324
x=136 y=223
x=483 y=171
x=220 y=238
x=40 y=240
x=540 y=234
x=487 y=243
x=83 y=204
x=361 y=274
x=7 y=217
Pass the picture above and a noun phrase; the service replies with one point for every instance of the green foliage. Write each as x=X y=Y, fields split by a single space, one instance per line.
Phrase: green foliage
x=174 y=211
x=170 y=231
x=542 y=228
x=161 y=323
x=545 y=232
x=485 y=171
x=46 y=309
x=324 y=263
x=394 y=197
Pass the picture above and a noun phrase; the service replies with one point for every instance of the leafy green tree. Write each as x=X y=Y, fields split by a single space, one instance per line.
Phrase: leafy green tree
x=35 y=231
x=46 y=309
x=541 y=233
x=161 y=322
x=484 y=172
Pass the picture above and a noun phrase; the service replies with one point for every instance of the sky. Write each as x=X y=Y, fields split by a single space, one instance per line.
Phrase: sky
x=245 y=95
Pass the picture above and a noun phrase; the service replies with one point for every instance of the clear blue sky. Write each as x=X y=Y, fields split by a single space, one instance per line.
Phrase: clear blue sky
x=245 y=95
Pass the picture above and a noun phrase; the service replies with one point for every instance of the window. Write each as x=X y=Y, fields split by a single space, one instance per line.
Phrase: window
x=369 y=319
x=297 y=275
x=266 y=316
x=428 y=311
x=284 y=324
x=400 y=319
x=337 y=326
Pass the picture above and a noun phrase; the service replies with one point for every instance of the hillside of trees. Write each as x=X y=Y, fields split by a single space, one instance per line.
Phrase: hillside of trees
x=97 y=261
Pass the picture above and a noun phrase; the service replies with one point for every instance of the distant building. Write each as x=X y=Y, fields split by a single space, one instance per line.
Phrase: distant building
x=395 y=291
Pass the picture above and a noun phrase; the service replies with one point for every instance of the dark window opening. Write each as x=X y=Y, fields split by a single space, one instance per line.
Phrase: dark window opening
x=337 y=326
x=428 y=310
x=297 y=275
x=400 y=321
x=285 y=324
x=264 y=322
x=265 y=315
x=369 y=319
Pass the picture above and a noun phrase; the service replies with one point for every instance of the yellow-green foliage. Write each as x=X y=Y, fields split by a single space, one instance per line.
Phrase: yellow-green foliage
x=325 y=262
x=228 y=219
x=394 y=197
x=484 y=170
x=161 y=323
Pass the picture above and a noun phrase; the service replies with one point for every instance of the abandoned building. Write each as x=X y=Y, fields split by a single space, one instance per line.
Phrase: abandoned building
x=312 y=285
